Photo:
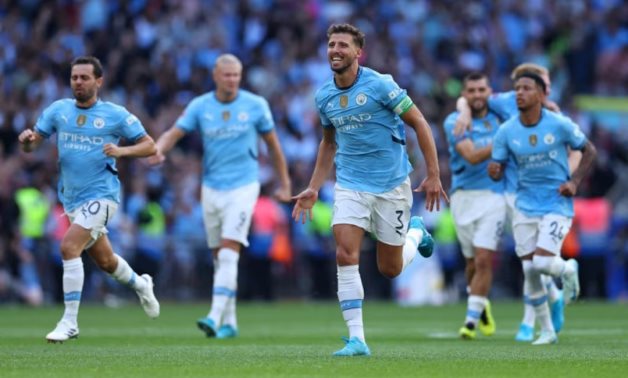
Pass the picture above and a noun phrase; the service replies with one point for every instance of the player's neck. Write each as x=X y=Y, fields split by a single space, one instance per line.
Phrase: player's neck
x=530 y=117
x=87 y=104
x=226 y=97
x=477 y=114
x=347 y=77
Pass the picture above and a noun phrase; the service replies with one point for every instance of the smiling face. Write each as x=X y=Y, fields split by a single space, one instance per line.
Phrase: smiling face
x=476 y=92
x=84 y=84
x=529 y=93
x=342 y=52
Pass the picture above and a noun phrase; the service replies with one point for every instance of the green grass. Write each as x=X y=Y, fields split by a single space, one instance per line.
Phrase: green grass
x=297 y=339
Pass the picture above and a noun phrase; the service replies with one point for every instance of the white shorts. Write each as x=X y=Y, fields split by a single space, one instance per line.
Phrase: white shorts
x=479 y=217
x=510 y=206
x=227 y=213
x=94 y=216
x=547 y=232
x=385 y=215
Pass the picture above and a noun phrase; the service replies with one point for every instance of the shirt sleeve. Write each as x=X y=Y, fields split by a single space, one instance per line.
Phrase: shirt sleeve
x=46 y=124
x=131 y=128
x=392 y=96
x=188 y=121
x=573 y=135
x=449 y=126
x=500 y=149
x=265 y=123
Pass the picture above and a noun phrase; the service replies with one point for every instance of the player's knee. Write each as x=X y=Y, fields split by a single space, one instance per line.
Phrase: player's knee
x=542 y=263
x=70 y=249
x=108 y=263
x=389 y=271
x=345 y=257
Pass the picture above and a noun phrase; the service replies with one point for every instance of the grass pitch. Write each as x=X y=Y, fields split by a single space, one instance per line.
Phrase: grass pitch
x=297 y=340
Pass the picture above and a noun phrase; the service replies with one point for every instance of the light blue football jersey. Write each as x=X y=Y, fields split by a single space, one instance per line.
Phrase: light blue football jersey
x=541 y=155
x=230 y=136
x=86 y=173
x=505 y=105
x=467 y=176
x=370 y=136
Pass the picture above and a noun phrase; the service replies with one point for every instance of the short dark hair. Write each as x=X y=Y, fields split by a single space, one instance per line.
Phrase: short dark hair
x=95 y=62
x=474 y=76
x=358 y=37
x=537 y=79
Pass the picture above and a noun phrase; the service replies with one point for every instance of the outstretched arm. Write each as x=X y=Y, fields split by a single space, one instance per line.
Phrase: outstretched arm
x=165 y=143
x=431 y=185
x=324 y=161
x=283 y=193
x=29 y=140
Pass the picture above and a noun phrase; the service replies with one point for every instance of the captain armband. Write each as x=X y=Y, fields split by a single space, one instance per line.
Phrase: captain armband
x=403 y=106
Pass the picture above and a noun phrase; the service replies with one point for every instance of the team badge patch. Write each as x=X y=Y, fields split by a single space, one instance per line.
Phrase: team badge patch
x=488 y=125
x=243 y=116
x=360 y=99
x=549 y=139
x=226 y=115
x=80 y=121
x=344 y=101
x=533 y=140
x=99 y=123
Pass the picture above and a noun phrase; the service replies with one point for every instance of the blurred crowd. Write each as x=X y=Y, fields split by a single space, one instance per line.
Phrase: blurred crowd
x=158 y=54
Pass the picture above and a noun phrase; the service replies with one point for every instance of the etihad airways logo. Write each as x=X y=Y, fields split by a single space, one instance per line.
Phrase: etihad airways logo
x=78 y=138
x=350 y=118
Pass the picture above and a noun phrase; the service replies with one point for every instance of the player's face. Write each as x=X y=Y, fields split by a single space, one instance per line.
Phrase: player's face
x=529 y=94
x=227 y=77
x=476 y=92
x=342 y=52
x=84 y=83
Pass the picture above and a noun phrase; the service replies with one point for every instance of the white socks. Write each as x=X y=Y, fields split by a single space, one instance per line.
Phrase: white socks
x=125 y=275
x=475 y=306
x=553 y=265
x=350 y=296
x=528 y=309
x=537 y=296
x=73 y=277
x=225 y=284
x=410 y=248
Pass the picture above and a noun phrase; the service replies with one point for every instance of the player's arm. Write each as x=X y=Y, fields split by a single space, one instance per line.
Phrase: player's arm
x=499 y=154
x=324 y=161
x=29 y=140
x=284 y=191
x=431 y=185
x=496 y=170
x=463 y=121
x=573 y=159
x=165 y=143
x=570 y=187
x=473 y=155
x=144 y=146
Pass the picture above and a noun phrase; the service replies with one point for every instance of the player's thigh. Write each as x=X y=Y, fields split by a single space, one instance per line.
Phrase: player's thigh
x=237 y=210
x=552 y=231
x=464 y=221
x=94 y=216
x=490 y=226
x=525 y=233
x=212 y=215
x=353 y=208
x=391 y=215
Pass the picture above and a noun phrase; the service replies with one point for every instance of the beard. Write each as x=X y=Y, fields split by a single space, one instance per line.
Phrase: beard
x=342 y=69
x=83 y=96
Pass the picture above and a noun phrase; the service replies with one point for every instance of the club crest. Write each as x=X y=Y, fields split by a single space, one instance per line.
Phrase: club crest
x=549 y=139
x=344 y=101
x=99 y=123
x=360 y=99
x=488 y=125
x=80 y=120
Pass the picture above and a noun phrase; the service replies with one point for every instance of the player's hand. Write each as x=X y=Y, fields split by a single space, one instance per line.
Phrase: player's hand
x=463 y=123
x=303 y=207
x=433 y=191
x=26 y=137
x=495 y=170
x=283 y=194
x=568 y=189
x=156 y=159
x=112 y=150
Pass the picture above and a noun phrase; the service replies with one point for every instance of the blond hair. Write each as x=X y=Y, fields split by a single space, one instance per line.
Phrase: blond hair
x=529 y=67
